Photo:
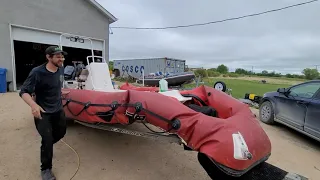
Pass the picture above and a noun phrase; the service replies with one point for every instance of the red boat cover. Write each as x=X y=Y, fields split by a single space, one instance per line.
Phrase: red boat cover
x=209 y=135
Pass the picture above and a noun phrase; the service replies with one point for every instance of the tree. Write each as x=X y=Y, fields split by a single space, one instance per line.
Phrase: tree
x=310 y=73
x=264 y=72
x=212 y=69
x=201 y=72
x=110 y=65
x=222 y=69
x=241 y=71
x=289 y=76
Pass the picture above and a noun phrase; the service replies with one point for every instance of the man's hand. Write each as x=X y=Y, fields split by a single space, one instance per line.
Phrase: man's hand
x=36 y=110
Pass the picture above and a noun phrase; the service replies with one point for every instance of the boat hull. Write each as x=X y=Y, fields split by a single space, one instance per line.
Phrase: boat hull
x=176 y=80
x=209 y=135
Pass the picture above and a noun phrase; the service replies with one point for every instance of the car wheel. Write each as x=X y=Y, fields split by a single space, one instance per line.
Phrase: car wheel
x=266 y=112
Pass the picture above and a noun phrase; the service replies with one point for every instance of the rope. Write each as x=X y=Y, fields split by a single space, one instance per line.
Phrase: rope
x=78 y=167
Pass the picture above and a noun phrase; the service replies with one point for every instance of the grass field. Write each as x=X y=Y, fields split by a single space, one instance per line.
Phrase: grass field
x=242 y=85
x=245 y=84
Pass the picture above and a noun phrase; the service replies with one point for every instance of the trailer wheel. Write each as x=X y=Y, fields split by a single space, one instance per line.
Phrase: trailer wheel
x=220 y=85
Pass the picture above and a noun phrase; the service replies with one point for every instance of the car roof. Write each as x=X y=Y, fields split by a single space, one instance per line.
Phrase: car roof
x=316 y=80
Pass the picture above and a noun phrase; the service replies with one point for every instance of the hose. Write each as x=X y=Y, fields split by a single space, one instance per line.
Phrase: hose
x=77 y=157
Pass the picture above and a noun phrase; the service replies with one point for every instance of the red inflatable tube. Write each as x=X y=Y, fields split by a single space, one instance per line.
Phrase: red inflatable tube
x=209 y=135
x=127 y=86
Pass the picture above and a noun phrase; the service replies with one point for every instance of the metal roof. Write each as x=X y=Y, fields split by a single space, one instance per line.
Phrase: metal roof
x=156 y=58
x=111 y=18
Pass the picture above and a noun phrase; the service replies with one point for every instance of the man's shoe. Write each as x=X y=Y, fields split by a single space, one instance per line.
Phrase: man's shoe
x=47 y=175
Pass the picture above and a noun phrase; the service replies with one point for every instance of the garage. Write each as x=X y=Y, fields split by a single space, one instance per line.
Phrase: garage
x=30 y=44
x=26 y=33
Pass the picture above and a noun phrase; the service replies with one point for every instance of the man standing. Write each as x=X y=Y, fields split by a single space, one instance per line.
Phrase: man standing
x=45 y=81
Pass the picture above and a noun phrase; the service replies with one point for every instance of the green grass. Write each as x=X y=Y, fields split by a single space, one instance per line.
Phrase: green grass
x=241 y=87
x=285 y=78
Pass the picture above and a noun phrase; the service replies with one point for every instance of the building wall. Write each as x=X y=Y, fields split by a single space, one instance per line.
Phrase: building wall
x=69 y=16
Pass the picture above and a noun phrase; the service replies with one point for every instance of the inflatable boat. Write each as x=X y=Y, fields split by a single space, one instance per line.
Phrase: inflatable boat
x=228 y=138
x=176 y=79
x=204 y=119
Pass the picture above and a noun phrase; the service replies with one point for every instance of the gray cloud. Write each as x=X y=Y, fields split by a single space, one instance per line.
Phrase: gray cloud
x=285 y=41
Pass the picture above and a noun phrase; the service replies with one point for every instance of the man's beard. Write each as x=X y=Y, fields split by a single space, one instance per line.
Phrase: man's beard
x=56 y=64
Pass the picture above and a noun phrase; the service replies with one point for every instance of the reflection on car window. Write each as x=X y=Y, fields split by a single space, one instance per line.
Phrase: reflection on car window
x=305 y=90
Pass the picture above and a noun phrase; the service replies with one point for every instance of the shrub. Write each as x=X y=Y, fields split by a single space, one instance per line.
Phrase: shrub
x=201 y=72
x=213 y=73
x=233 y=75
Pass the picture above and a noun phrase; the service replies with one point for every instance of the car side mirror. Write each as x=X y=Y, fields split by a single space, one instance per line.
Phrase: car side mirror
x=282 y=90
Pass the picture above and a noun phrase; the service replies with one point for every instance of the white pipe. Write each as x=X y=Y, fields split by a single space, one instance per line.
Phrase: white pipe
x=143 y=77
x=82 y=37
x=60 y=45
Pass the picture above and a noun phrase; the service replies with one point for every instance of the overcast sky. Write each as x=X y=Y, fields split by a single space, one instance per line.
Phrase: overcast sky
x=285 y=41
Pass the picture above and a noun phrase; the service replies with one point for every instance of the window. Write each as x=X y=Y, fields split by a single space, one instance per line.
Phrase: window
x=305 y=90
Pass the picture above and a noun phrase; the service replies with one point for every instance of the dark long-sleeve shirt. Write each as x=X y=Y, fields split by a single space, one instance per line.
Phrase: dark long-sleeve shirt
x=46 y=86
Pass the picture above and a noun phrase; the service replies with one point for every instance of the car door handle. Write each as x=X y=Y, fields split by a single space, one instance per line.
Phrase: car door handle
x=301 y=102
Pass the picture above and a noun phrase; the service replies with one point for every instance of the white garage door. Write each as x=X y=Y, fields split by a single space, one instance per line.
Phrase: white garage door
x=45 y=37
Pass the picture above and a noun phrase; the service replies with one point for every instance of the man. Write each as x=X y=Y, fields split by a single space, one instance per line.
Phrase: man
x=45 y=81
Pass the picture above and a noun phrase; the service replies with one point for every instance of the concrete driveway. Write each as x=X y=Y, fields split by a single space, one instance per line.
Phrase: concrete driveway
x=107 y=155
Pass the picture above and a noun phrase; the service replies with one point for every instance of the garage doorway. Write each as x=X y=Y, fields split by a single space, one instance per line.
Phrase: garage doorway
x=29 y=55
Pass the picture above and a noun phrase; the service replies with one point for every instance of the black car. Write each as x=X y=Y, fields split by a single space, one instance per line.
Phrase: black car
x=297 y=107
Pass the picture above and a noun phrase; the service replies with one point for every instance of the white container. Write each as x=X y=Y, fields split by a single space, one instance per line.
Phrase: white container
x=135 y=67
x=163 y=85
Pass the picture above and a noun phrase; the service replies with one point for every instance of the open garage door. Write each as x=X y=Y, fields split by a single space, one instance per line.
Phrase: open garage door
x=46 y=37
x=32 y=43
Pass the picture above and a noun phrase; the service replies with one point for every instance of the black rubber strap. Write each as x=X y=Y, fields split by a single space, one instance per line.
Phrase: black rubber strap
x=87 y=105
x=66 y=104
x=82 y=103
x=138 y=107
x=158 y=116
